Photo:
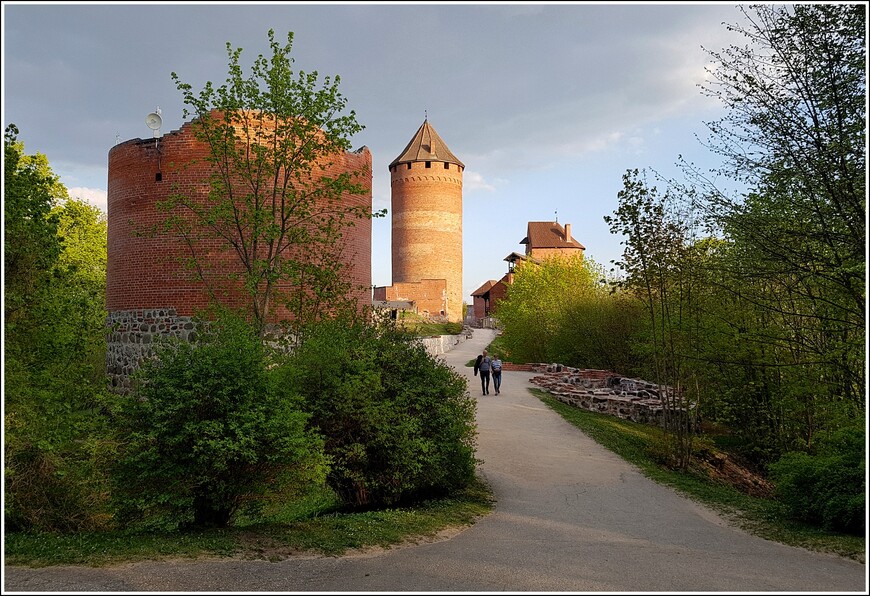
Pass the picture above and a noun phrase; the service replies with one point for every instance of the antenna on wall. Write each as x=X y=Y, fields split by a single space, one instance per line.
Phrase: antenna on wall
x=154 y=121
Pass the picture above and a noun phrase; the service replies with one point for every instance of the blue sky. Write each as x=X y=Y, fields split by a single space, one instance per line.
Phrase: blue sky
x=546 y=104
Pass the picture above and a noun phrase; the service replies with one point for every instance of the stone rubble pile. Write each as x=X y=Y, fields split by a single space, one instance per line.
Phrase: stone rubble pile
x=604 y=392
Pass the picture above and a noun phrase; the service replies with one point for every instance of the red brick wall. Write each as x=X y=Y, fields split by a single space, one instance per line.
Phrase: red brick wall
x=479 y=306
x=497 y=293
x=143 y=270
x=517 y=367
x=546 y=253
x=428 y=294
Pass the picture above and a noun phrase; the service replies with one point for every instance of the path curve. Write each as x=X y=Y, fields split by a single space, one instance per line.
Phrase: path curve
x=570 y=517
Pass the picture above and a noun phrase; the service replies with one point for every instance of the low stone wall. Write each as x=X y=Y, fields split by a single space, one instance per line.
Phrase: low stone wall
x=439 y=344
x=131 y=334
x=604 y=392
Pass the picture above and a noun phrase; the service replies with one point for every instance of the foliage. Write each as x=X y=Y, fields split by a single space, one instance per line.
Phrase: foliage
x=210 y=431
x=796 y=98
x=763 y=323
x=30 y=245
x=791 y=280
x=273 y=203
x=397 y=423
x=422 y=327
x=599 y=332
x=54 y=350
x=497 y=346
x=664 y=263
x=828 y=487
x=542 y=304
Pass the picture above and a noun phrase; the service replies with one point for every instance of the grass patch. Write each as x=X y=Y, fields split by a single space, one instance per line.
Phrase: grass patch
x=496 y=346
x=637 y=444
x=105 y=548
x=311 y=525
x=424 y=328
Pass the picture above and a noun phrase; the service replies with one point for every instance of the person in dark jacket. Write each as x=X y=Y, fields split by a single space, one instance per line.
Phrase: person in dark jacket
x=483 y=366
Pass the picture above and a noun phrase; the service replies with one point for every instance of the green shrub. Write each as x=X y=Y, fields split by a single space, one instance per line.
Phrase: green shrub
x=398 y=425
x=827 y=488
x=453 y=328
x=209 y=432
x=50 y=490
x=54 y=449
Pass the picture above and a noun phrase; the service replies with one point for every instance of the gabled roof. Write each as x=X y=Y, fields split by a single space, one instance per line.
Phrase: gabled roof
x=484 y=288
x=516 y=257
x=426 y=146
x=548 y=234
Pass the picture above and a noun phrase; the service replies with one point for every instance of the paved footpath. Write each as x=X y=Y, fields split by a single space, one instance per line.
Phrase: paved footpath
x=570 y=517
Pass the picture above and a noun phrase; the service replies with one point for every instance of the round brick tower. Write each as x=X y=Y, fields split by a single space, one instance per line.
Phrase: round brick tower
x=426 y=183
x=149 y=291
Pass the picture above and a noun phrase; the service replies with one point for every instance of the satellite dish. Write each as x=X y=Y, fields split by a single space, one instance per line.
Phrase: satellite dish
x=153 y=120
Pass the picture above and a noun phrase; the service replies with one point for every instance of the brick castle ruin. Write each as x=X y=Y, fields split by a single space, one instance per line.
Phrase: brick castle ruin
x=149 y=294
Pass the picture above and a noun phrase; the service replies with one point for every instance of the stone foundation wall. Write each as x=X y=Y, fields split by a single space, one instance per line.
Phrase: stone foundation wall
x=604 y=392
x=131 y=335
x=439 y=344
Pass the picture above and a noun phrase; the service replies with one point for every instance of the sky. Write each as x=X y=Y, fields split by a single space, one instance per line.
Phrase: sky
x=546 y=104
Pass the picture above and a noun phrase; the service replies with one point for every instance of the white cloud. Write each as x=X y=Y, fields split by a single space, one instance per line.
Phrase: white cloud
x=474 y=181
x=95 y=196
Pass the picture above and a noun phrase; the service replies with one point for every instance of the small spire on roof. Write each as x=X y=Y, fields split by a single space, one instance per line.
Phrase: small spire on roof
x=557 y=216
x=425 y=115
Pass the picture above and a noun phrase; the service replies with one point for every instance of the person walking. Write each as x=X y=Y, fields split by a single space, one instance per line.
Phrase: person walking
x=495 y=367
x=484 y=368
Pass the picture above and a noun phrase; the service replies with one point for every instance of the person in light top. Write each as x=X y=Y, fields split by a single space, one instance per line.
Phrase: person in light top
x=495 y=367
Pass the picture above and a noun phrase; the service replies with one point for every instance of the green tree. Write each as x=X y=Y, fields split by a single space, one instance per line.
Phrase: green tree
x=31 y=245
x=272 y=136
x=533 y=310
x=599 y=331
x=54 y=350
x=786 y=334
x=768 y=320
x=795 y=135
x=662 y=262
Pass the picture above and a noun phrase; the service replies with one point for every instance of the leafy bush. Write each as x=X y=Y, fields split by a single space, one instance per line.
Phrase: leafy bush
x=398 y=425
x=209 y=432
x=827 y=488
x=54 y=453
x=421 y=326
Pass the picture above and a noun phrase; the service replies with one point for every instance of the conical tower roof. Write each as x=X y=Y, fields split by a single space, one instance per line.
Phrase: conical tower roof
x=426 y=146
